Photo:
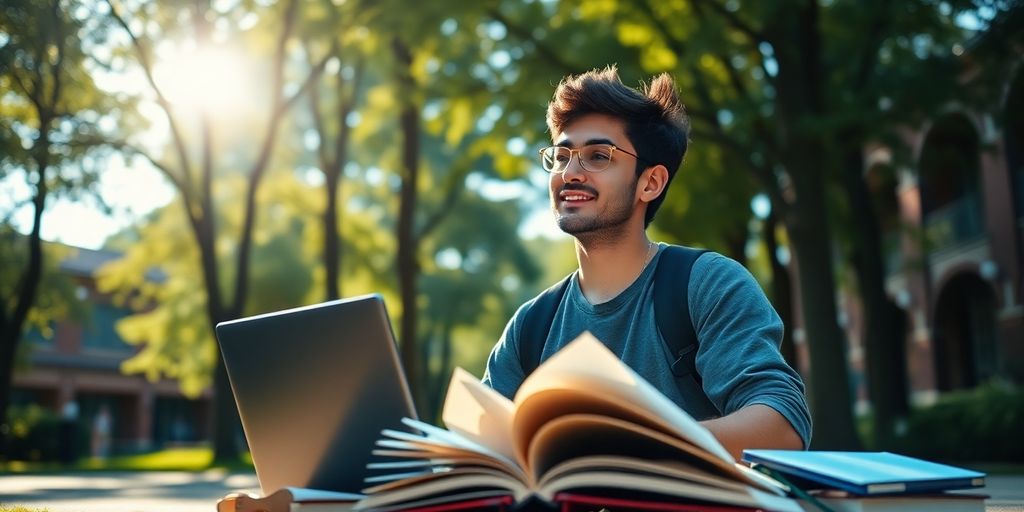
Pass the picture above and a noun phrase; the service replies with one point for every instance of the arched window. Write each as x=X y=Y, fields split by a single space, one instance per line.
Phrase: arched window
x=950 y=185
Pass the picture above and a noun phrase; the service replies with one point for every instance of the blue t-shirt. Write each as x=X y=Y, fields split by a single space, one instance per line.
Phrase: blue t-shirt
x=739 y=334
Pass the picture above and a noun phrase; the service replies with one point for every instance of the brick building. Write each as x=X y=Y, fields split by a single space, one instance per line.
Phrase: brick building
x=953 y=225
x=81 y=364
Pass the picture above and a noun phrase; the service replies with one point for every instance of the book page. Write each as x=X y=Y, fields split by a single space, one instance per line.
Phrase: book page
x=587 y=366
x=479 y=413
x=453 y=484
x=441 y=436
x=749 y=497
x=660 y=468
x=577 y=436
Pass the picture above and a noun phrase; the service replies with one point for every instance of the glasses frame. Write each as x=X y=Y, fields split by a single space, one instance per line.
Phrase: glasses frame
x=579 y=151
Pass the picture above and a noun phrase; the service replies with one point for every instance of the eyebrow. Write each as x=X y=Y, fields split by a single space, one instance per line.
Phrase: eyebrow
x=567 y=144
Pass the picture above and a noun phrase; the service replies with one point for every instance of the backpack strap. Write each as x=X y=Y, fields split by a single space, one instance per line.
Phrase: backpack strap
x=670 y=301
x=537 y=320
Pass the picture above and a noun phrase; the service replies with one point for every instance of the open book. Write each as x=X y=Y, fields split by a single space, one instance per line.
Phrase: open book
x=584 y=423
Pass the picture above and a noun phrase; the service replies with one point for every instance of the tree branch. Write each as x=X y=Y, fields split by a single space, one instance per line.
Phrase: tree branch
x=455 y=183
x=325 y=159
x=346 y=104
x=734 y=20
x=125 y=146
x=310 y=81
x=58 y=24
x=147 y=69
x=259 y=166
x=879 y=24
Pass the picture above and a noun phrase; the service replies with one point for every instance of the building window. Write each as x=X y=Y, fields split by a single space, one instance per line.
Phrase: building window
x=950 y=184
x=99 y=331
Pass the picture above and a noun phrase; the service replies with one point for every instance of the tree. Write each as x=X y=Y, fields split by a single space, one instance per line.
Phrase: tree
x=799 y=89
x=331 y=103
x=902 y=66
x=194 y=182
x=157 y=277
x=49 y=108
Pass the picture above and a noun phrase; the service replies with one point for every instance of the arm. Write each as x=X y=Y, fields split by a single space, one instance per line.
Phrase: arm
x=760 y=397
x=754 y=426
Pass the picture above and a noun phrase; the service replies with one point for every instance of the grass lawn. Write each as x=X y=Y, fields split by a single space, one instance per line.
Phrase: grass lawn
x=173 y=459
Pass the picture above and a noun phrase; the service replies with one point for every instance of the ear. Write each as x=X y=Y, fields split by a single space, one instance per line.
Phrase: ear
x=652 y=183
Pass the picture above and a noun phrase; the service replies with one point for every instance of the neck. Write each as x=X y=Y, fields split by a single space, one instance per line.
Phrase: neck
x=608 y=268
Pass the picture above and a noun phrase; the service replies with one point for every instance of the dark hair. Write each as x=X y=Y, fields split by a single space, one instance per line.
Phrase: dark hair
x=654 y=118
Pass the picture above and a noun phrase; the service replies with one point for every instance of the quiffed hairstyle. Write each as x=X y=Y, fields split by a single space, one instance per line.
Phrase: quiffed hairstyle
x=654 y=118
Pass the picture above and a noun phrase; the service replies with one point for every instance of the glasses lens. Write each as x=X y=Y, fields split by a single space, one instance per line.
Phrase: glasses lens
x=596 y=157
x=555 y=158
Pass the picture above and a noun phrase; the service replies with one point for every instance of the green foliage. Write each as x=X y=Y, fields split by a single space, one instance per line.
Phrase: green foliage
x=56 y=298
x=160 y=278
x=51 y=105
x=982 y=424
x=33 y=433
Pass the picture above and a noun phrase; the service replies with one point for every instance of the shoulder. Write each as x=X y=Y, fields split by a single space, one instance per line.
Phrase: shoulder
x=706 y=265
x=715 y=270
x=722 y=284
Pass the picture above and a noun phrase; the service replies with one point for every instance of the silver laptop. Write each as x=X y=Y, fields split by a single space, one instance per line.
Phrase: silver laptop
x=314 y=387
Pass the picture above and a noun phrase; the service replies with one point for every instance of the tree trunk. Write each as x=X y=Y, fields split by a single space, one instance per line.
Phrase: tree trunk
x=332 y=242
x=406 y=259
x=333 y=169
x=883 y=340
x=802 y=87
x=782 y=290
x=828 y=379
x=12 y=324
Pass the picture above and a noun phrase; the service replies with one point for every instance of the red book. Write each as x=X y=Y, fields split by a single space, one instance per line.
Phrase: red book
x=499 y=503
x=570 y=502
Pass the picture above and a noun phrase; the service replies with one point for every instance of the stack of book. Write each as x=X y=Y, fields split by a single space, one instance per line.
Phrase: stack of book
x=871 y=481
x=584 y=432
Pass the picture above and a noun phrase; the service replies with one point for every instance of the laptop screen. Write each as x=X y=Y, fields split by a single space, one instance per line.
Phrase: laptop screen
x=314 y=388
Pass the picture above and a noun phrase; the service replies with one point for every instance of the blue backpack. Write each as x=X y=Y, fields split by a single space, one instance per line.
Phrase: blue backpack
x=671 y=313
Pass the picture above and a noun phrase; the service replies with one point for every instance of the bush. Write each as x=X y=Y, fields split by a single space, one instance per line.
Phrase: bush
x=33 y=433
x=982 y=424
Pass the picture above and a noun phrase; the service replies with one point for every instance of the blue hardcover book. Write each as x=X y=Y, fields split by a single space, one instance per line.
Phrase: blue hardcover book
x=866 y=472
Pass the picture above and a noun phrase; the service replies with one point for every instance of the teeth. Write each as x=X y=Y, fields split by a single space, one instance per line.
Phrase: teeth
x=575 y=198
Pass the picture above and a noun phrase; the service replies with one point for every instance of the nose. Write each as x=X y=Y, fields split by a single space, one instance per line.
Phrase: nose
x=574 y=169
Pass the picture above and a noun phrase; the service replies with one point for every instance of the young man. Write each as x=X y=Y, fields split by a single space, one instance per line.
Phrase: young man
x=615 y=151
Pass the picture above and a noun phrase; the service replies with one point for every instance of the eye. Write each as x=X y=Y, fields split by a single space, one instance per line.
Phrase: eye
x=598 y=154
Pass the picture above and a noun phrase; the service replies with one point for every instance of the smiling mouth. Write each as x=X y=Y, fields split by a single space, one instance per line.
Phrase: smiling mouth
x=576 y=198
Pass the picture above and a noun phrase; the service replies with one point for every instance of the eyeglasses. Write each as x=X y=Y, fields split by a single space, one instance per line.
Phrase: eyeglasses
x=592 y=157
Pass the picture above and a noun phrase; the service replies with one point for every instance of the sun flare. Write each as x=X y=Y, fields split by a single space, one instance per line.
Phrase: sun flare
x=209 y=79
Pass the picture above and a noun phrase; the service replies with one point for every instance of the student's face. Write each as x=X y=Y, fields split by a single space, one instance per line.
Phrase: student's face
x=585 y=202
